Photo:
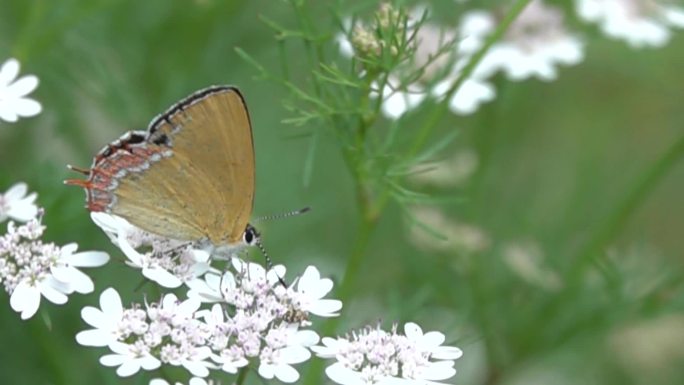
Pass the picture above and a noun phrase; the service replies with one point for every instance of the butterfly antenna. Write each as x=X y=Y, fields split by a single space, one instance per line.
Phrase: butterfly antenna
x=269 y=263
x=283 y=215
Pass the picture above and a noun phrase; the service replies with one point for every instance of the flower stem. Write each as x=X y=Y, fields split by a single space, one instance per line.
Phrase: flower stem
x=637 y=195
x=367 y=224
x=242 y=374
x=610 y=229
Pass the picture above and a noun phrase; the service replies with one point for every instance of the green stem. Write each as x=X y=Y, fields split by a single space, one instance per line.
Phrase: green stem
x=612 y=227
x=242 y=374
x=345 y=291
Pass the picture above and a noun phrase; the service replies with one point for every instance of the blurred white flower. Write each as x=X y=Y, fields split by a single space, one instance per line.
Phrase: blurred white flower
x=374 y=356
x=14 y=102
x=450 y=172
x=527 y=260
x=169 y=263
x=455 y=236
x=535 y=43
x=15 y=204
x=439 y=57
x=30 y=268
x=641 y=23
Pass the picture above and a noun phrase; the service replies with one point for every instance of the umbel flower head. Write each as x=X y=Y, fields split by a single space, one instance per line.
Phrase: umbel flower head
x=375 y=356
x=31 y=268
x=14 y=102
x=253 y=318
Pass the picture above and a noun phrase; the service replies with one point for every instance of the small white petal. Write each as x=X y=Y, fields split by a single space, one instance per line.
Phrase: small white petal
x=162 y=277
x=266 y=371
x=50 y=289
x=80 y=282
x=196 y=368
x=343 y=375
x=447 y=353
x=439 y=371
x=128 y=368
x=112 y=360
x=110 y=302
x=9 y=71
x=25 y=299
x=16 y=192
x=326 y=307
x=196 y=381
x=286 y=373
x=87 y=259
x=23 y=86
x=149 y=363
x=94 y=337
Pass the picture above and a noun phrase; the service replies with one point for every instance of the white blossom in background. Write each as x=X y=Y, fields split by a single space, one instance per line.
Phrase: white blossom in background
x=526 y=259
x=252 y=318
x=30 y=268
x=375 y=356
x=168 y=263
x=641 y=23
x=14 y=100
x=15 y=204
x=439 y=55
x=448 y=235
x=451 y=172
x=533 y=46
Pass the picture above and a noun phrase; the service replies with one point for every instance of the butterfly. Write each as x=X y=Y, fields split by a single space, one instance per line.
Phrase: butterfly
x=189 y=177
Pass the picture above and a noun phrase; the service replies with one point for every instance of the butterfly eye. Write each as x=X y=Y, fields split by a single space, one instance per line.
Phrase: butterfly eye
x=250 y=236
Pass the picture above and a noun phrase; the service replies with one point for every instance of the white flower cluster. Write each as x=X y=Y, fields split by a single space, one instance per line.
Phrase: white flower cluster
x=253 y=318
x=14 y=102
x=534 y=45
x=31 y=268
x=168 y=263
x=375 y=356
x=641 y=23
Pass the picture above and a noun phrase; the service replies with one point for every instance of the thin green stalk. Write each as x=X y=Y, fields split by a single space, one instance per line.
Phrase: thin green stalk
x=439 y=111
x=613 y=226
x=242 y=374
x=345 y=291
x=636 y=196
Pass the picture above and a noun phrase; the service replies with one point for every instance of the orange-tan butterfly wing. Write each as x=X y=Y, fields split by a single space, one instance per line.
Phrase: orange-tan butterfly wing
x=203 y=186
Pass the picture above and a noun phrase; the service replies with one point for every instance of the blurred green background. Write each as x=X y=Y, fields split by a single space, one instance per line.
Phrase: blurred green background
x=556 y=166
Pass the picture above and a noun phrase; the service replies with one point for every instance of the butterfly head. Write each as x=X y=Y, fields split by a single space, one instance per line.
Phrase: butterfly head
x=251 y=236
